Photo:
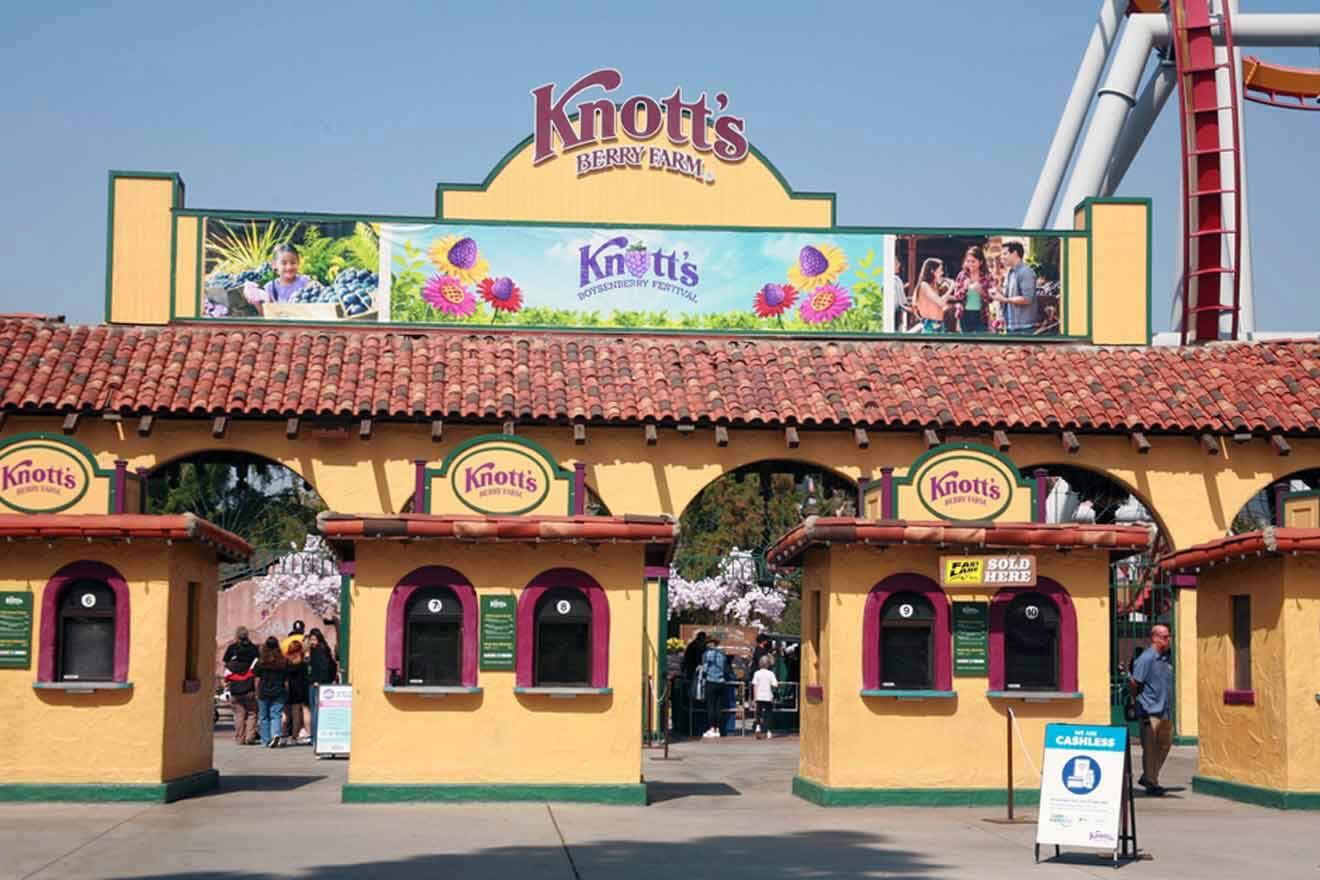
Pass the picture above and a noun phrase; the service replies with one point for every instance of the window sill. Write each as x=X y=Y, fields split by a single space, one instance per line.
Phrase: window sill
x=82 y=687
x=564 y=693
x=1239 y=698
x=431 y=690
x=915 y=695
x=1034 y=696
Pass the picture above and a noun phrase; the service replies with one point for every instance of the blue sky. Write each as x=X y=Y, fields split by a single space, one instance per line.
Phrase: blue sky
x=926 y=114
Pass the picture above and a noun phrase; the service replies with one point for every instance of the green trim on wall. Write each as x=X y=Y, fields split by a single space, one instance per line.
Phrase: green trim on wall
x=619 y=795
x=1179 y=740
x=826 y=796
x=1254 y=794
x=345 y=621
x=160 y=792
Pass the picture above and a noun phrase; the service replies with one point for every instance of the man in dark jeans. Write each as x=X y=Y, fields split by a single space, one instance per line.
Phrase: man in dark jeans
x=238 y=659
x=1151 y=683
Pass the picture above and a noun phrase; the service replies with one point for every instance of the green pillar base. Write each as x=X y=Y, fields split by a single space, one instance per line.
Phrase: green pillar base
x=92 y=792
x=826 y=796
x=369 y=793
x=1255 y=794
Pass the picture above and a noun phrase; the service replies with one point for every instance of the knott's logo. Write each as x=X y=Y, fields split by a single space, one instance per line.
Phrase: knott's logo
x=693 y=124
x=624 y=262
x=41 y=478
x=502 y=480
x=965 y=485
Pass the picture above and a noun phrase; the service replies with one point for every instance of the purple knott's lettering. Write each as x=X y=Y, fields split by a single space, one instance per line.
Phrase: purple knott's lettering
x=730 y=142
x=551 y=120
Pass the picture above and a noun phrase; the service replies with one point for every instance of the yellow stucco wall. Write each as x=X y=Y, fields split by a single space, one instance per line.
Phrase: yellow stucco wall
x=1243 y=743
x=186 y=256
x=746 y=193
x=1185 y=665
x=1301 y=636
x=496 y=736
x=141 y=227
x=1120 y=273
x=150 y=734
x=875 y=742
x=813 y=702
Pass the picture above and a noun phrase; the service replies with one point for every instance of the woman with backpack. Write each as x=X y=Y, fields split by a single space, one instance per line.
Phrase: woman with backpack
x=711 y=677
x=272 y=691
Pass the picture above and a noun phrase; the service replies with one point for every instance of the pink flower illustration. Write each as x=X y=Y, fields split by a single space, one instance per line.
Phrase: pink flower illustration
x=825 y=304
x=450 y=296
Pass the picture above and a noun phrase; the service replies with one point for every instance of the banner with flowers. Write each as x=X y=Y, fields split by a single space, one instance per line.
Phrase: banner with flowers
x=530 y=275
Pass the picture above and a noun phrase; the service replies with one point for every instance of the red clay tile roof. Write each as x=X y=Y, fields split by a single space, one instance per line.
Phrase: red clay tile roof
x=122 y=526
x=521 y=529
x=816 y=530
x=273 y=371
x=1271 y=540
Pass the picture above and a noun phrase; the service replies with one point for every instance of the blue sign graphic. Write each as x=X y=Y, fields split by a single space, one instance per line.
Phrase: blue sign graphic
x=1081 y=774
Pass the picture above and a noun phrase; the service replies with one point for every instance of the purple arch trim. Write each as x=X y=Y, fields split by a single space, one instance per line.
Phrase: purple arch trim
x=600 y=622
x=906 y=582
x=1055 y=592
x=420 y=579
x=50 y=604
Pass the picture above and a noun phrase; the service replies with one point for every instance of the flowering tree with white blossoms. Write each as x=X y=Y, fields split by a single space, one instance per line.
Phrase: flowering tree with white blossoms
x=309 y=574
x=731 y=596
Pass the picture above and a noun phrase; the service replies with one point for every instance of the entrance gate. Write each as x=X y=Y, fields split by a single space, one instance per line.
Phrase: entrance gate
x=1140 y=597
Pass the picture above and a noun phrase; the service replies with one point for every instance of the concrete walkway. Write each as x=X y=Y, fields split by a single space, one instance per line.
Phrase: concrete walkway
x=719 y=809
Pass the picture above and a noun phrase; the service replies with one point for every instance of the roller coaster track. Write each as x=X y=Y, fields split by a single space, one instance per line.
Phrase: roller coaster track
x=1211 y=170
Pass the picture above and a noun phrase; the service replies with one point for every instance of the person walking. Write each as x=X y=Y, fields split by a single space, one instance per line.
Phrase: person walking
x=712 y=665
x=239 y=658
x=1151 y=683
x=764 y=683
x=321 y=669
x=272 y=691
x=300 y=717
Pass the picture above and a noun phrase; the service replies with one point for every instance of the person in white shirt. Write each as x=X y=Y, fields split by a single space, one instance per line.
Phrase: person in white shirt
x=763 y=691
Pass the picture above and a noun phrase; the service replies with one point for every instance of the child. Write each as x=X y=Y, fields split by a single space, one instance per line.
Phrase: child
x=763 y=690
x=285 y=261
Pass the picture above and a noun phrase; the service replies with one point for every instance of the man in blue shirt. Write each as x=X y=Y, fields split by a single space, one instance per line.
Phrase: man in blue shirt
x=1019 y=295
x=1151 y=683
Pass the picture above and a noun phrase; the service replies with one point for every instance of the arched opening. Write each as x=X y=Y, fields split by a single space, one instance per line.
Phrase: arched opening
x=719 y=579
x=1262 y=509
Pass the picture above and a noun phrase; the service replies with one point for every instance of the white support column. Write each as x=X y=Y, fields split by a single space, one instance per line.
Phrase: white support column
x=1074 y=113
x=1162 y=83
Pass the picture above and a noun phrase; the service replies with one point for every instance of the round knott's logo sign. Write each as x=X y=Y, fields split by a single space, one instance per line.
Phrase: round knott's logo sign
x=499 y=480
x=965 y=486
x=41 y=478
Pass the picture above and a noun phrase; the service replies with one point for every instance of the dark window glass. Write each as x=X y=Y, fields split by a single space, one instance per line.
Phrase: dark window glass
x=907 y=648
x=563 y=639
x=85 y=648
x=194 y=609
x=433 y=638
x=1241 y=643
x=1031 y=643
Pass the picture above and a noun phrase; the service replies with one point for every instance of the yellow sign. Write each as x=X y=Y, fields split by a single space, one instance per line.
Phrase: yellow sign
x=41 y=476
x=988 y=571
x=964 y=482
x=500 y=475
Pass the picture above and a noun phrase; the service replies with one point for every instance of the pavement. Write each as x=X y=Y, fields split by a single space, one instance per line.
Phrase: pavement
x=720 y=809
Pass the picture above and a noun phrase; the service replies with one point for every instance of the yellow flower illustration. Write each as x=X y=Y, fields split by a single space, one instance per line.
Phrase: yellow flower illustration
x=459 y=258
x=817 y=265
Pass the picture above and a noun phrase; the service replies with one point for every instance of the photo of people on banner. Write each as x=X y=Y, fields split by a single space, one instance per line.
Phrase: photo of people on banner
x=977 y=284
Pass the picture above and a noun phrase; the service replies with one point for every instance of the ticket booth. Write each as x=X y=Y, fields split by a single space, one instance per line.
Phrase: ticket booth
x=919 y=635
x=497 y=646
x=106 y=653
x=1258 y=658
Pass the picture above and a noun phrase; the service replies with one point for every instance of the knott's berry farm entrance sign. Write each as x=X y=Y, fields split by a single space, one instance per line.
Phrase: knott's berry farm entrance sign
x=961 y=482
x=46 y=473
x=689 y=124
x=499 y=475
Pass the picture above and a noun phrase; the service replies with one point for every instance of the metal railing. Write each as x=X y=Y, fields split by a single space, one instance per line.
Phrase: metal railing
x=738 y=709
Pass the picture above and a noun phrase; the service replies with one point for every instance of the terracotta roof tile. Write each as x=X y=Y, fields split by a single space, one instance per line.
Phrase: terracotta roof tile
x=272 y=371
x=122 y=526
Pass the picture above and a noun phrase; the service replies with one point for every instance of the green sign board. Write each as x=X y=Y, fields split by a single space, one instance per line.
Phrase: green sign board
x=15 y=630
x=971 y=628
x=498 y=631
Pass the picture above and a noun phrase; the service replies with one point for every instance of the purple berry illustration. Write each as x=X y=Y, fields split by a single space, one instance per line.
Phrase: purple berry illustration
x=464 y=253
x=502 y=289
x=812 y=262
x=636 y=260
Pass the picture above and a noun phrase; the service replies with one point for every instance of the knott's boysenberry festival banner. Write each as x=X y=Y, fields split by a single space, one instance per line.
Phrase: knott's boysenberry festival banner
x=478 y=274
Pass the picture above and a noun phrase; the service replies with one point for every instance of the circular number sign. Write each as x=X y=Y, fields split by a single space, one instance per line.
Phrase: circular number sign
x=434 y=605
x=88 y=600
x=562 y=606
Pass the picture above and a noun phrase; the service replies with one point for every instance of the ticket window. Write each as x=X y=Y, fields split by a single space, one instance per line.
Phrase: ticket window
x=433 y=640
x=1031 y=643
x=907 y=642
x=563 y=639
x=85 y=647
